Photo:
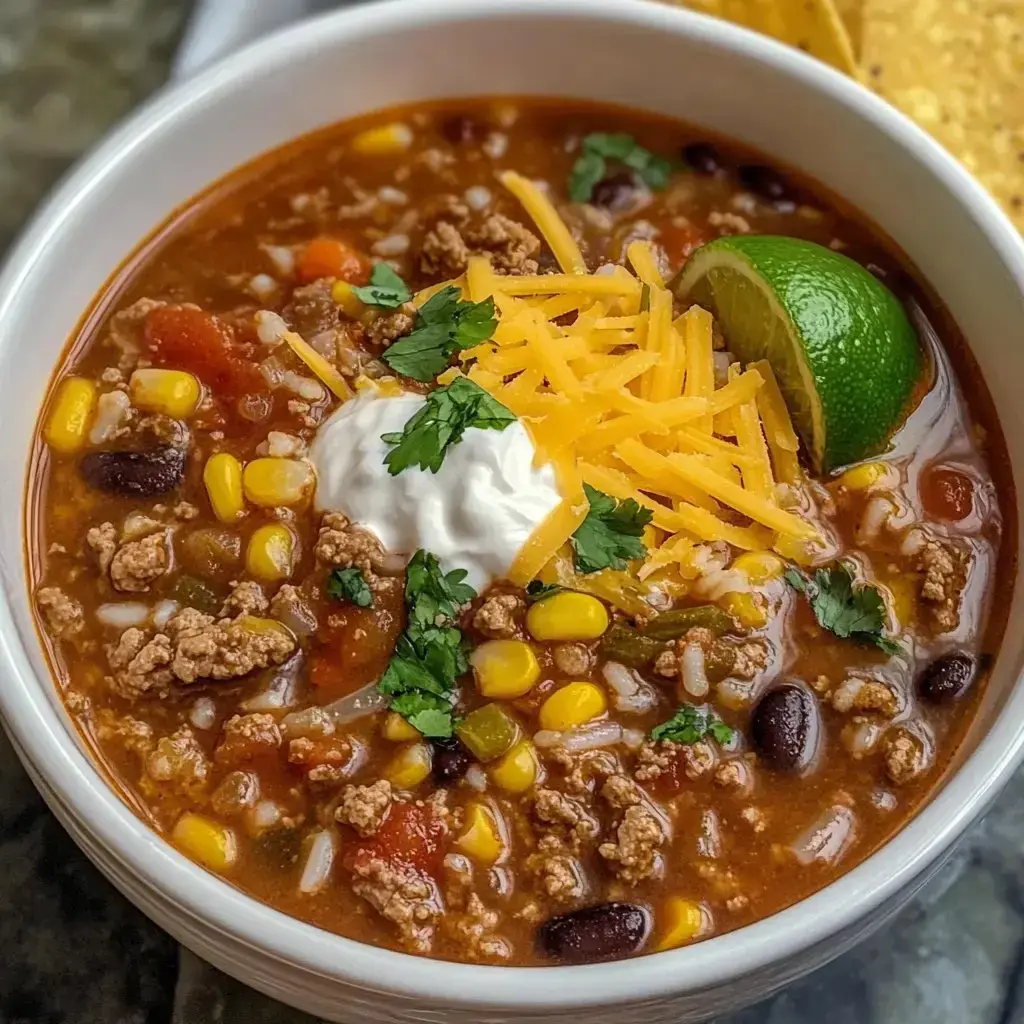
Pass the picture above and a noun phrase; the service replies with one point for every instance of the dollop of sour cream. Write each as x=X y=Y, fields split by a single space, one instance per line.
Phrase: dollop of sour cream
x=474 y=513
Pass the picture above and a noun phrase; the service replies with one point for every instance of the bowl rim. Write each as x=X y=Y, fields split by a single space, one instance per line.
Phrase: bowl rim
x=42 y=735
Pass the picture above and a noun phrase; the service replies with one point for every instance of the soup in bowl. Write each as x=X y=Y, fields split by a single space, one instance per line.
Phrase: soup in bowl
x=524 y=531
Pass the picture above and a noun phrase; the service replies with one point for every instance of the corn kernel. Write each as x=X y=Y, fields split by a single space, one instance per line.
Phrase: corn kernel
x=409 y=767
x=222 y=476
x=746 y=609
x=567 y=616
x=271 y=482
x=346 y=299
x=760 y=566
x=481 y=838
x=517 y=771
x=685 y=922
x=270 y=552
x=397 y=729
x=208 y=842
x=865 y=477
x=506 y=669
x=571 y=706
x=172 y=392
x=904 y=599
x=388 y=138
x=68 y=423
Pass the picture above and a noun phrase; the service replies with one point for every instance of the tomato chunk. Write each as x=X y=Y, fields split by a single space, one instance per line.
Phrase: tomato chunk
x=189 y=339
x=411 y=834
x=678 y=241
x=947 y=493
x=330 y=257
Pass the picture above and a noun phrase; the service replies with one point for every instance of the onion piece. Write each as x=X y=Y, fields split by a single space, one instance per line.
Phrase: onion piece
x=694 y=672
x=719 y=582
x=123 y=614
x=282 y=257
x=476 y=778
x=163 y=612
x=311 y=721
x=365 y=701
x=203 y=713
x=266 y=814
x=828 y=838
x=270 y=326
x=281 y=685
x=319 y=862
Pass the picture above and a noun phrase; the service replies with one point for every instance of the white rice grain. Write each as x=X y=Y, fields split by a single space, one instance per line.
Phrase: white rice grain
x=263 y=286
x=478 y=197
x=163 y=612
x=123 y=614
x=391 y=195
x=305 y=387
x=694 y=673
x=282 y=257
x=203 y=713
x=391 y=245
x=112 y=409
x=270 y=327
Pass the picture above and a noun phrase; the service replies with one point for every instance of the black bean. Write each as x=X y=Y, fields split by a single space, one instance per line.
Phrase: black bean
x=614 y=192
x=764 y=181
x=607 y=931
x=450 y=762
x=142 y=474
x=702 y=157
x=461 y=129
x=946 y=679
x=784 y=727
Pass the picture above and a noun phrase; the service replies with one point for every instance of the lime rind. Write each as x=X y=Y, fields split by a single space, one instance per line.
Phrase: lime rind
x=838 y=340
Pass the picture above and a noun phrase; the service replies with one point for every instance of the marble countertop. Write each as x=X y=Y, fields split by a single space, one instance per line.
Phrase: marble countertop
x=75 y=952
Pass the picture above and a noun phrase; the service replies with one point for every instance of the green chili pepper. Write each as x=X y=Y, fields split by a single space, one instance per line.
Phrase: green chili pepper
x=629 y=647
x=676 y=623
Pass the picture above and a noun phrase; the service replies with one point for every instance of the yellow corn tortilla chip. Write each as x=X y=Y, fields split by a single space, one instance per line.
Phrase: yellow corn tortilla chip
x=851 y=12
x=810 y=25
x=957 y=68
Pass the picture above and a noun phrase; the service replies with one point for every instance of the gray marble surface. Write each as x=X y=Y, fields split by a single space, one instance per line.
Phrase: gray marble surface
x=72 y=951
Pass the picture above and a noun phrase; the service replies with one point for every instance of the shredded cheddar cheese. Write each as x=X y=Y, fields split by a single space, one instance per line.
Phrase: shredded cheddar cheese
x=619 y=390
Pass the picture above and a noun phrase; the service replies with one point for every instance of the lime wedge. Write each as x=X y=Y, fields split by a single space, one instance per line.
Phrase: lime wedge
x=838 y=340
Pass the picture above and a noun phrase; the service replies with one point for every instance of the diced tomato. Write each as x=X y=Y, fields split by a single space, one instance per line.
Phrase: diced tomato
x=189 y=339
x=411 y=834
x=946 y=493
x=330 y=257
x=678 y=241
x=670 y=781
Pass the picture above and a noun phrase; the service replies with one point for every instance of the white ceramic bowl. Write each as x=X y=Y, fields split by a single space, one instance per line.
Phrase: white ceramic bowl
x=648 y=56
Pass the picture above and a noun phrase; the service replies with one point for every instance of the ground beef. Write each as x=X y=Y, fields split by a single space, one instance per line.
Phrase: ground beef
x=179 y=763
x=634 y=854
x=722 y=657
x=342 y=544
x=403 y=896
x=945 y=576
x=335 y=751
x=729 y=223
x=247 y=598
x=557 y=872
x=247 y=737
x=64 y=615
x=365 y=807
x=102 y=541
x=473 y=930
x=140 y=665
x=194 y=646
x=573 y=660
x=621 y=792
x=511 y=247
x=497 y=616
x=755 y=818
x=390 y=327
x=749 y=658
x=864 y=695
x=559 y=815
x=734 y=774
x=129 y=733
x=125 y=329
x=905 y=756
x=312 y=310
x=138 y=563
x=655 y=758
x=237 y=792
x=583 y=771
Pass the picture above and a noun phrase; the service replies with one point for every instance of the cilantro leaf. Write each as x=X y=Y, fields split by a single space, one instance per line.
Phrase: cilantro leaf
x=610 y=535
x=448 y=413
x=690 y=724
x=386 y=289
x=350 y=585
x=537 y=591
x=848 y=612
x=599 y=147
x=445 y=324
x=429 y=656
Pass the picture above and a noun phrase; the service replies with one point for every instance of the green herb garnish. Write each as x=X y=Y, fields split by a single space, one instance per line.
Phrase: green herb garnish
x=429 y=656
x=386 y=289
x=350 y=585
x=851 y=614
x=690 y=724
x=599 y=147
x=610 y=535
x=444 y=325
x=439 y=425
x=537 y=591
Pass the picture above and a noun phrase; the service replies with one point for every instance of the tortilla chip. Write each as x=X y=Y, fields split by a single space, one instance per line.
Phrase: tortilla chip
x=957 y=68
x=810 y=25
x=852 y=14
